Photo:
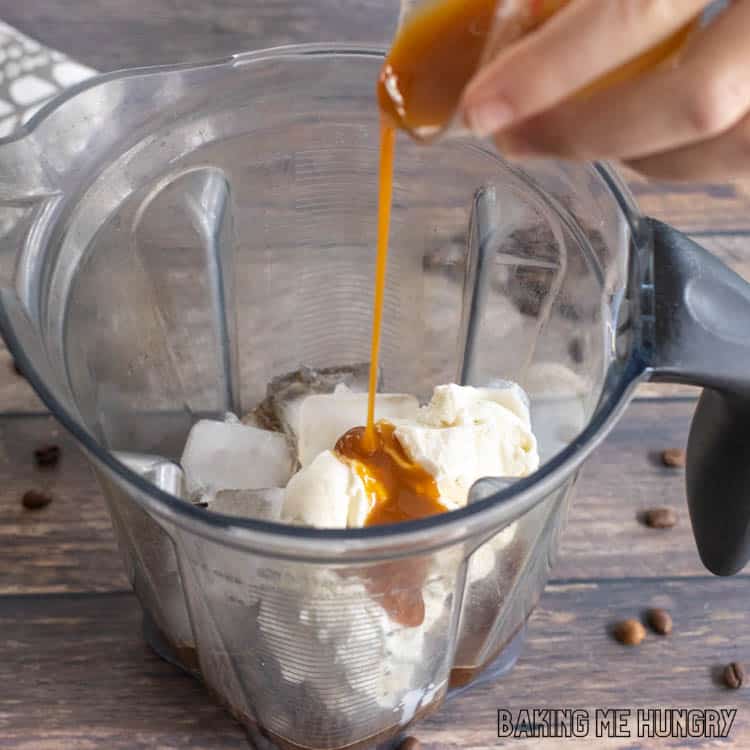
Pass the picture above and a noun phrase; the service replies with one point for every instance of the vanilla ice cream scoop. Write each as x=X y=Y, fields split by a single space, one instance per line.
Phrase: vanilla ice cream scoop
x=232 y=456
x=327 y=493
x=467 y=433
x=462 y=435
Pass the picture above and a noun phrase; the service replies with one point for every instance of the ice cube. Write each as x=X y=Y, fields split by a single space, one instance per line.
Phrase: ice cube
x=264 y=504
x=323 y=419
x=162 y=472
x=227 y=456
x=169 y=477
x=140 y=463
x=280 y=409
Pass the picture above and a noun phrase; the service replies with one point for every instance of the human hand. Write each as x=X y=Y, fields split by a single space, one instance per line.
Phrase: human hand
x=686 y=119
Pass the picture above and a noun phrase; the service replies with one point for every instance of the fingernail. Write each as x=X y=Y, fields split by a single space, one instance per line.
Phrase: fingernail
x=489 y=117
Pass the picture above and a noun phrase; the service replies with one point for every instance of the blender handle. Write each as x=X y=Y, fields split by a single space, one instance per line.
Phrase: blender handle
x=702 y=337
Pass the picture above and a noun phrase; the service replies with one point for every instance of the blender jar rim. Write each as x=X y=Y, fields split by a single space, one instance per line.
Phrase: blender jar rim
x=339 y=545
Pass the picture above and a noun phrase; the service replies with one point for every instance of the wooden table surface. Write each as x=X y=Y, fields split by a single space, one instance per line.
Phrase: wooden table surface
x=75 y=673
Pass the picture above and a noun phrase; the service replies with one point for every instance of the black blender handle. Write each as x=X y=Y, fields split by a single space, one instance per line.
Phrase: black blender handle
x=702 y=337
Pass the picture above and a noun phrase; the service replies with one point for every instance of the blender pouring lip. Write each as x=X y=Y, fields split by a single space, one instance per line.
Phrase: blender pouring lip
x=500 y=507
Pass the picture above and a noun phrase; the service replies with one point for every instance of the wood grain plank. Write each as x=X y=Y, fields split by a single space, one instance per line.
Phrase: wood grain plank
x=570 y=660
x=108 y=34
x=75 y=673
x=695 y=207
x=69 y=545
x=16 y=394
x=666 y=390
x=623 y=478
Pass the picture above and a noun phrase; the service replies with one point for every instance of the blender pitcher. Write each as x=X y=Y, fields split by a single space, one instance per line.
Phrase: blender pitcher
x=175 y=240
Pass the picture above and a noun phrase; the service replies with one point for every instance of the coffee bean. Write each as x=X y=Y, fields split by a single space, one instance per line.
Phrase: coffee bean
x=660 y=518
x=34 y=499
x=630 y=632
x=734 y=675
x=674 y=458
x=47 y=455
x=410 y=743
x=660 y=620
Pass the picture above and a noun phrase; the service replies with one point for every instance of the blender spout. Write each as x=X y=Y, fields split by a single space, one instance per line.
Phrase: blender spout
x=701 y=336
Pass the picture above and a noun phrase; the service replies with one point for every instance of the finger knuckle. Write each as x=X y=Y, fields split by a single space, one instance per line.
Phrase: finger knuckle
x=713 y=104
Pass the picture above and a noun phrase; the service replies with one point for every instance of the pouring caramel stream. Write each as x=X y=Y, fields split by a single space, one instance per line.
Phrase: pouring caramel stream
x=434 y=55
x=399 y=488
x=387 y=148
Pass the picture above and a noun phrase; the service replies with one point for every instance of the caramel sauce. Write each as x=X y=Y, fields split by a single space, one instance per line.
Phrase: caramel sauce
x=398 y=488
x=397 y=588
